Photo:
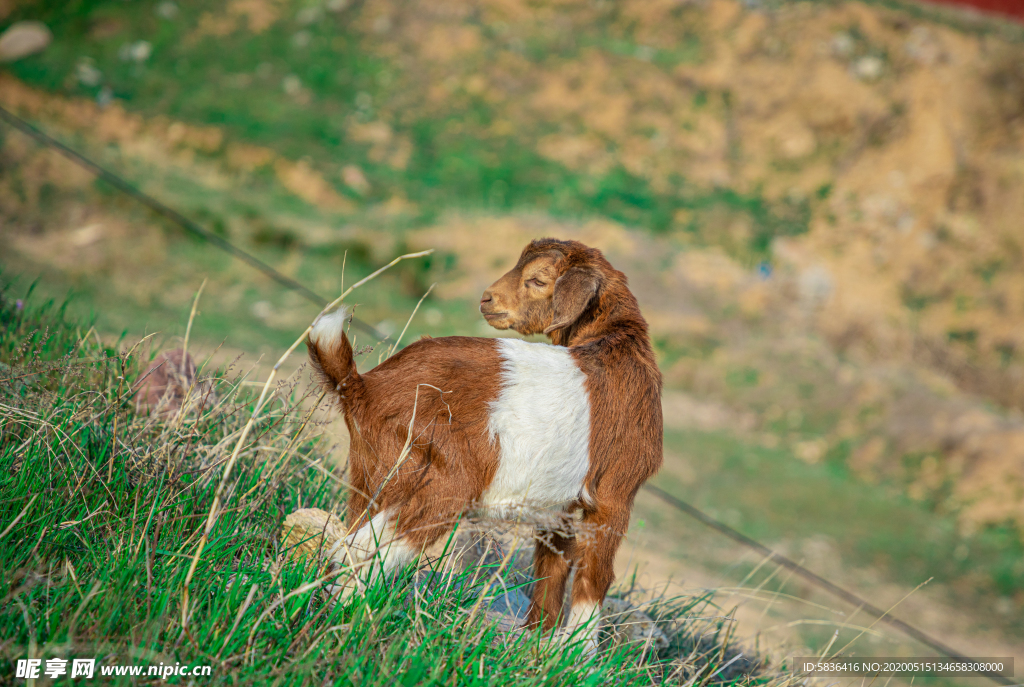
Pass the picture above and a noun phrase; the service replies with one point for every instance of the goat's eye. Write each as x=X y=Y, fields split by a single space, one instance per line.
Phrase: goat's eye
x=535 y=282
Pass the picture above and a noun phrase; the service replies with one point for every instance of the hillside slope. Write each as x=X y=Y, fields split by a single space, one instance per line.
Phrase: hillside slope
x=818 y=203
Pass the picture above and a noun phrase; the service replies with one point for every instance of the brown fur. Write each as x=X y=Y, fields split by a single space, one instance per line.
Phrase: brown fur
x=573 y=294
x=451 y=459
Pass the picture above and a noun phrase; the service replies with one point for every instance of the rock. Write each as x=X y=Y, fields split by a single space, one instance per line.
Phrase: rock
x=868 y=68
x=310 y=533
x=167 y=10
x=24 y=38
x=355 y=179
x=513 y=604
x=169 y=383
x=633 y=625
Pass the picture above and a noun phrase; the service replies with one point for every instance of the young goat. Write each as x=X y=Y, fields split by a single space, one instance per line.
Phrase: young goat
x=460 y=425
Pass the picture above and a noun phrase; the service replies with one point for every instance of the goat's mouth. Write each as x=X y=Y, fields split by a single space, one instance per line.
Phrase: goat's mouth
x=493 y=315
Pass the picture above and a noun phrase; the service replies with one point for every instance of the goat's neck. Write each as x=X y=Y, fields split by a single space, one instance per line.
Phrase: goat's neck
x=619 y=327
x=605 y=332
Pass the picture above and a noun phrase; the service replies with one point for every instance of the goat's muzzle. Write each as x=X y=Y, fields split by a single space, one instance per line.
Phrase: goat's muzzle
x=489 y=308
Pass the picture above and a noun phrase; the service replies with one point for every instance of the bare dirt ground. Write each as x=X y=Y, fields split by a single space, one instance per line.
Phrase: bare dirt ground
x=771 y=617
x=892 y=328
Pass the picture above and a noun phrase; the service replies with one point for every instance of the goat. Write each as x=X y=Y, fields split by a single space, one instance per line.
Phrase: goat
x=458 y=425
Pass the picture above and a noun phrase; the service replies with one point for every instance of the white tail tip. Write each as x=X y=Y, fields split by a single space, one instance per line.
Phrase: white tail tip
x=328 y=329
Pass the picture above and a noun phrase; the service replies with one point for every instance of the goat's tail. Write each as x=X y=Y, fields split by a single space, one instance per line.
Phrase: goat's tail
x=330 y=353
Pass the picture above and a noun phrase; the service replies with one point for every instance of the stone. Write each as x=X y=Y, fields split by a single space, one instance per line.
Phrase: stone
x=355 y=179
x=167 y=10
x=625 y=619
x=22 y=39
x=170 y=385
x=869 y=67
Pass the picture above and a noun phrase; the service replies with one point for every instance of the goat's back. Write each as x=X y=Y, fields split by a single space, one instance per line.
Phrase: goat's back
x=529 y=423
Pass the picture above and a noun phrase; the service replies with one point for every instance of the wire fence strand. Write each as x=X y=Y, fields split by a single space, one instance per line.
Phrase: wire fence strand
x=813 y=578
x=667 y=498
x=174 y=216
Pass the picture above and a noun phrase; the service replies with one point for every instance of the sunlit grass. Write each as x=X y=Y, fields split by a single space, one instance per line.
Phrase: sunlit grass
x=457 y=160
x=102 y=510
x=769 y=495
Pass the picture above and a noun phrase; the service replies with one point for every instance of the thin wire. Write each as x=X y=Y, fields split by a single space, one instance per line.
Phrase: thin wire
x=815 y=579
x=175 y=216
x=289 y=283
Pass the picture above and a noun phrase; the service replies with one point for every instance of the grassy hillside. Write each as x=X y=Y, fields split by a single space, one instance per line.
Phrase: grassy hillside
x=813 y=141
x=817 y=204
x=102 y=511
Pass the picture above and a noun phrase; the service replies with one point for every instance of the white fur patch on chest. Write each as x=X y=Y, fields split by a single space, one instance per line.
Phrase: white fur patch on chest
x=542 y=420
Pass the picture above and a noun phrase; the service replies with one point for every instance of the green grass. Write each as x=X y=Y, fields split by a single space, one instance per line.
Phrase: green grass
x=102 y=509
x=456 y=161
x=771 y=496
x=147 y=287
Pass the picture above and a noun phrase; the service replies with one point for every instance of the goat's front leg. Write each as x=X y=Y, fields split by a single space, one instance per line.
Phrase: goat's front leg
x=552 y=560
x=598 y=539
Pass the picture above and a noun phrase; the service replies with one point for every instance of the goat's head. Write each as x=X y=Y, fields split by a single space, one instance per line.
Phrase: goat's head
x=554 y=287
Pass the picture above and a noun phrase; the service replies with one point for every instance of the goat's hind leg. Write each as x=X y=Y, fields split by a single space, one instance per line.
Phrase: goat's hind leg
x=392 y=539
x=552 y=561
x=375 y=549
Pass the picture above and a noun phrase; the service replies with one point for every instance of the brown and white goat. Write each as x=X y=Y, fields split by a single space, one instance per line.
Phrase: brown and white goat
x=496 y=426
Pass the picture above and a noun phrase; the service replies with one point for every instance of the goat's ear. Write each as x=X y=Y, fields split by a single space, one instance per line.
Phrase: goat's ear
x=573 y=292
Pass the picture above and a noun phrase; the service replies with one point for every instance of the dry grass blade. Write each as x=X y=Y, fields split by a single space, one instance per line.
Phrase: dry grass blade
x=191 y=318
x=394 y=347
x=211 y=519
x=14 y=522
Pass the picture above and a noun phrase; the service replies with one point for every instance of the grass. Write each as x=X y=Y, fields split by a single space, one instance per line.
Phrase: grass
x=101 y=511
x=457 y=160
x=773 y=497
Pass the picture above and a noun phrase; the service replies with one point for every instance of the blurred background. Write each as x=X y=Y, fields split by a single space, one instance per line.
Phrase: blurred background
x=819 y=206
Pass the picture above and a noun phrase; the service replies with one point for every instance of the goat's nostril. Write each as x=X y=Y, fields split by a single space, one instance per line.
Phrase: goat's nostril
x=486 y=298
